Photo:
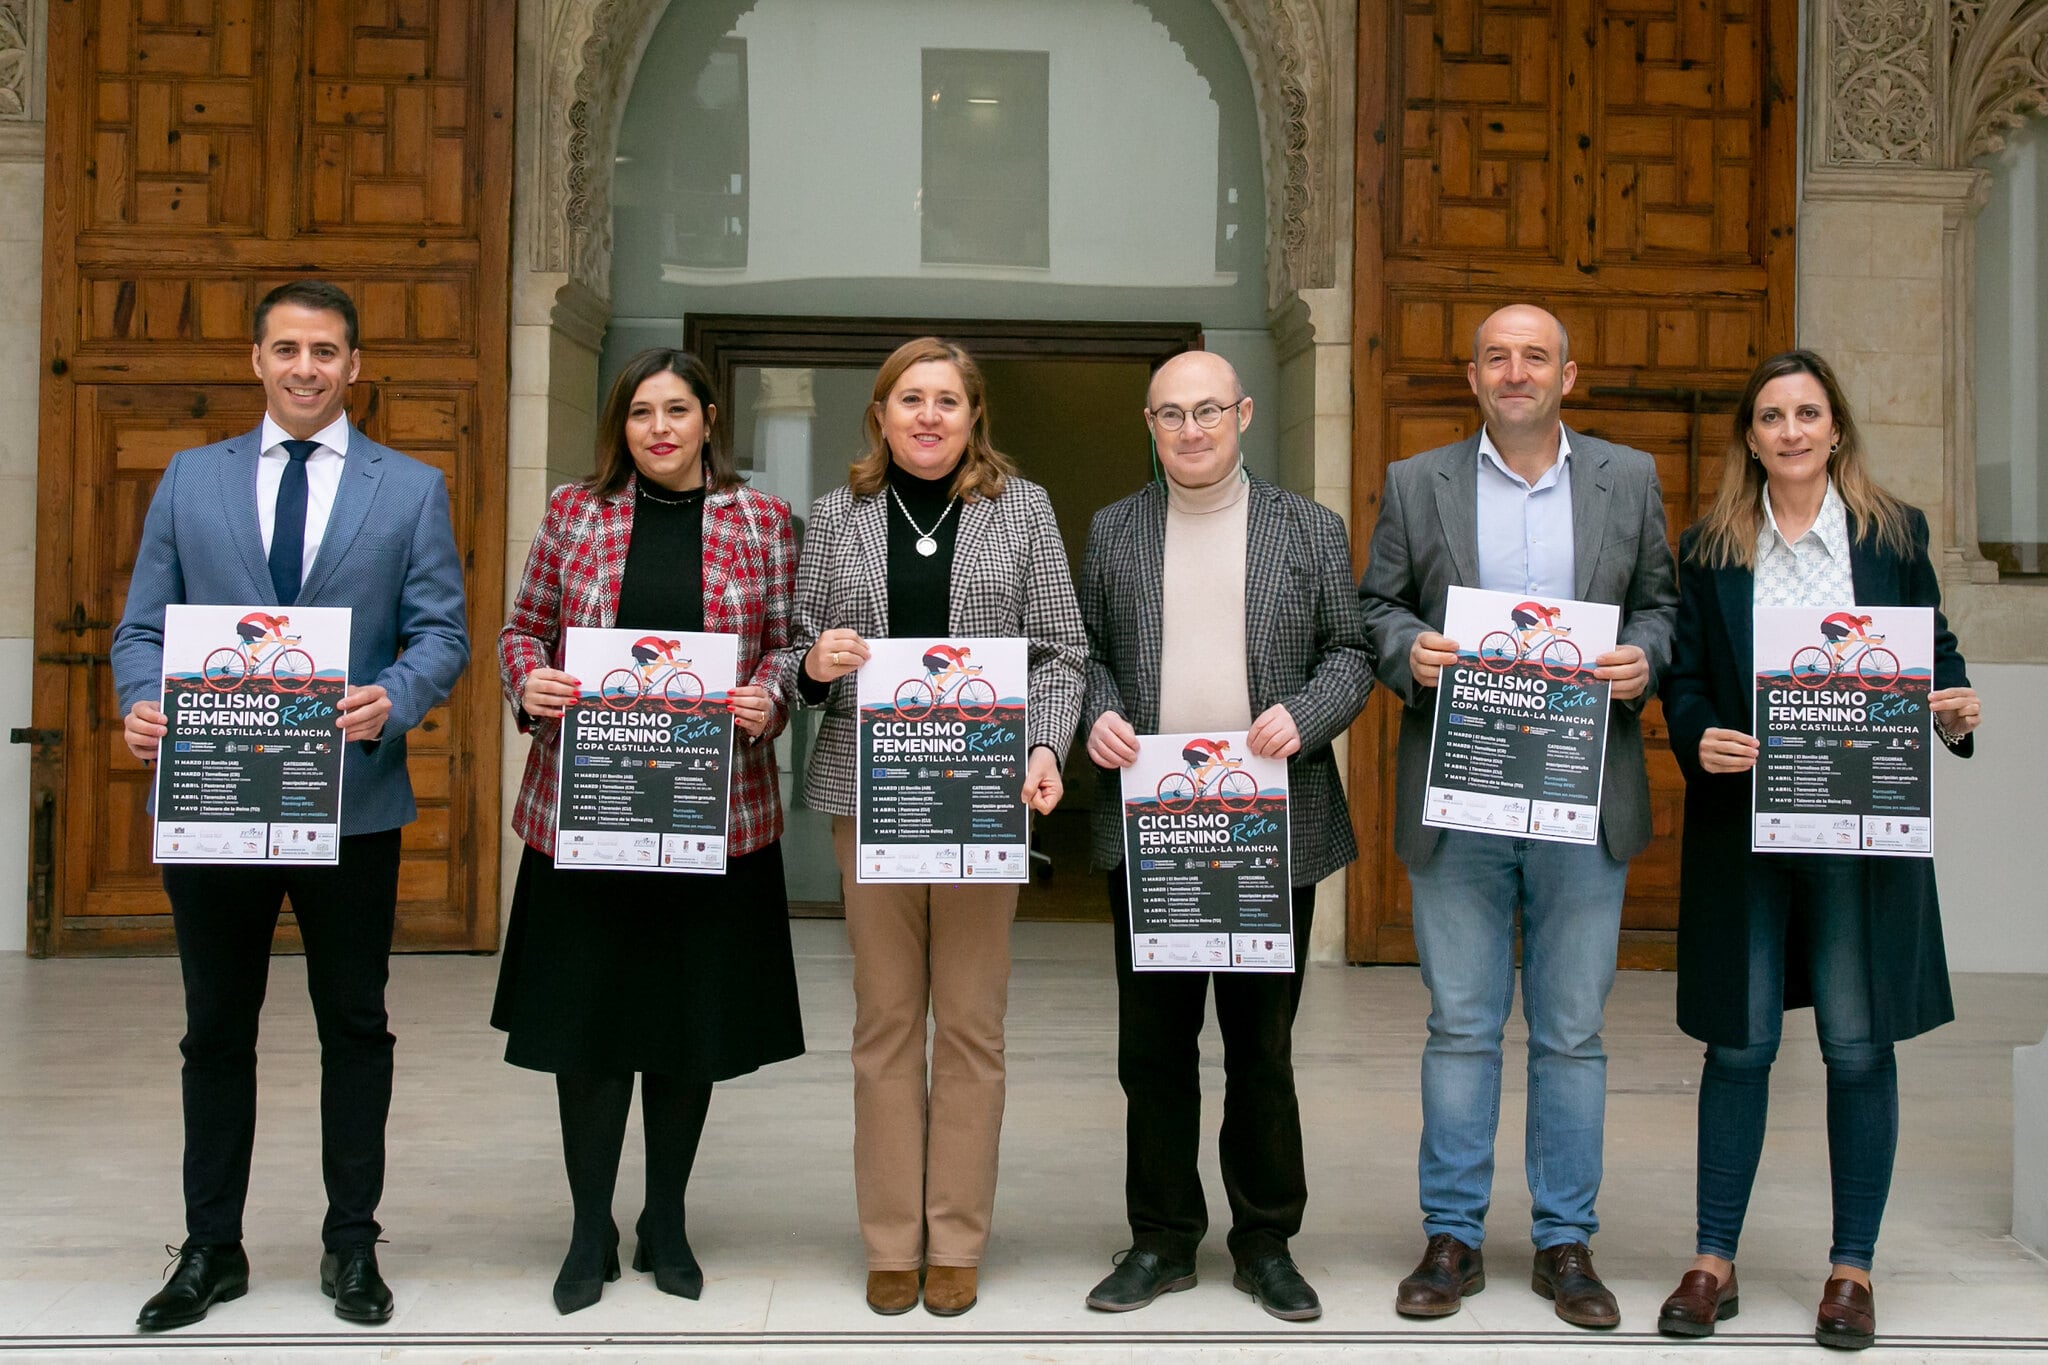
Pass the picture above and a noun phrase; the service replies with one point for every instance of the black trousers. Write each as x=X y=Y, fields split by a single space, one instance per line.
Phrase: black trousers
x=1159 y=1025
x=225 y=918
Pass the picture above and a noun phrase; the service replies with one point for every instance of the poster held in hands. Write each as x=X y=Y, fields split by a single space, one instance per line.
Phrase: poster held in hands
x=249 y=769
x=1520 y=740
x=942 y=751
x=1844 y=733
x=646 y=753
x=1206 y=856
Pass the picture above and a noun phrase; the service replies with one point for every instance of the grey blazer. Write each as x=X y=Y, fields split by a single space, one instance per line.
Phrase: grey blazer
x=1303 y=649
x=388 y=553
x=1009 y=578
x=1428 y=540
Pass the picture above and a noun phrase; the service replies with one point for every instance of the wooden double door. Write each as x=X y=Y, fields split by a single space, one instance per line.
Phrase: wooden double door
x=201 y=152
x=1630 y=165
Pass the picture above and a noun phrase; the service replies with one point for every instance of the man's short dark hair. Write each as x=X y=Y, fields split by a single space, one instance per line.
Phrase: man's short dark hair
x=318 y=295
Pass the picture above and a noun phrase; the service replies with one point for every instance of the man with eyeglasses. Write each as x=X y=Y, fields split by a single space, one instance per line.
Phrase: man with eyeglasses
x=1215 y=601
x=1528 y=507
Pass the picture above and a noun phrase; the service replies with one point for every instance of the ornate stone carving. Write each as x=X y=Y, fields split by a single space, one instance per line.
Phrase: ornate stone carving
x=2000 y=76
x=18 y=74
x=590 y=50
x=1884 y=69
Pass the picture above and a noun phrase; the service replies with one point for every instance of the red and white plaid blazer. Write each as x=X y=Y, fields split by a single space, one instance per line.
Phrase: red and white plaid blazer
x=572 y=578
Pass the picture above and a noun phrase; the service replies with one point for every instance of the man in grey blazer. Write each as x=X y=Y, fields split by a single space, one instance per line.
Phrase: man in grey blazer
x=305 y=510
x=1215 y=601
x=1526 y=506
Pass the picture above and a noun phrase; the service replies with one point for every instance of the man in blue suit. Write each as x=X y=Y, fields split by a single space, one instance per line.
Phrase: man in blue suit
x=303 y=511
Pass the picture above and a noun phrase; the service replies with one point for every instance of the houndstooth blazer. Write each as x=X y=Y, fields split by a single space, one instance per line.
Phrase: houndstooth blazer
x=1009 y=579
x=1305 y=649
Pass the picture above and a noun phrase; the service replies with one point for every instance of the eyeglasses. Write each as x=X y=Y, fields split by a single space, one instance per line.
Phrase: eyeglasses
x=1206 y=415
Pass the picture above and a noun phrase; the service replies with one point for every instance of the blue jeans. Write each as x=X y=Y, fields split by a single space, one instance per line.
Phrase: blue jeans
x=1821 y=898
x=1470 y=897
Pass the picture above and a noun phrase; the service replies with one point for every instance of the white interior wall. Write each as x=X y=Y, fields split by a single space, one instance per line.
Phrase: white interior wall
x=1987 y=833
x=21 y=313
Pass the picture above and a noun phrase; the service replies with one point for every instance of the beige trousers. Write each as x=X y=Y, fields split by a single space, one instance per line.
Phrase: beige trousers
x=924 y=1155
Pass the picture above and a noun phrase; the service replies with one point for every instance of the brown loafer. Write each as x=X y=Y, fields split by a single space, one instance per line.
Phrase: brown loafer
x=1447 y=1272
x=1848 y=1316
x=892 y=1291
x=1697 y=1304
x=949 y=1290
x=1565 y=1275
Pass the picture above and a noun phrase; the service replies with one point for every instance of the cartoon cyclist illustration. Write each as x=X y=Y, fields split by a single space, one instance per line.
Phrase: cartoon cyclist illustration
x=652 y=654
x=1532 y=619
x=1844 y=629
x=946 y=662
x=260 y=628
x=1203 y=757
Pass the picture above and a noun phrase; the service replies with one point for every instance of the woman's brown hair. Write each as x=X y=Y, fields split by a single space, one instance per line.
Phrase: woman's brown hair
x=614 y=463
x=1729 y=530
x=982 y=468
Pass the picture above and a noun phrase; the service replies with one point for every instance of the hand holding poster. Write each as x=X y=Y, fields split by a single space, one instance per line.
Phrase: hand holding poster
x=1844 y=733
x=1520 y=741
x=1206 y=855
x=646 y=751
x=941 y=758
x=250 y=766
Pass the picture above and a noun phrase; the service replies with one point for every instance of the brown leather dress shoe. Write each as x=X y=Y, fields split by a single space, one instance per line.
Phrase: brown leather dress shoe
x=1447 y=1272
x=1697 y=1304
x=1565 y=1275
x=949 y=1290
x=1848 y=1316
x=892 y=1291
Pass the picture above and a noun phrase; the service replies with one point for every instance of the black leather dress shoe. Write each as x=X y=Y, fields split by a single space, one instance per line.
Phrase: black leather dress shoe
x=1139 y=1278
x=350 y=1278
x=1279 y=1288
x=206 y=1275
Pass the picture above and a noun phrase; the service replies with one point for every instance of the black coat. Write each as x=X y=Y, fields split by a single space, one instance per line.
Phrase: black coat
x=1711 y=684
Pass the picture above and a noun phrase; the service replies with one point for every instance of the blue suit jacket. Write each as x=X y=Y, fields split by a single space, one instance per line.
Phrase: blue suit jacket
x=388 y=552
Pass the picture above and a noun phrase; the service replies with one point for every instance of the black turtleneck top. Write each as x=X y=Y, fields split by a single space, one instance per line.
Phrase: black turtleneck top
x=920 y=586
x=662 y=587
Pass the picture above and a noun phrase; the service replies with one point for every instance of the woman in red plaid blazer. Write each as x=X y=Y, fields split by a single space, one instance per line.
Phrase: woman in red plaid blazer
x=686 y=980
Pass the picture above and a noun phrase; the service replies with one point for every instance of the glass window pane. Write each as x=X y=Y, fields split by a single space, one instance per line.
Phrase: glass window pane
x=987 y=167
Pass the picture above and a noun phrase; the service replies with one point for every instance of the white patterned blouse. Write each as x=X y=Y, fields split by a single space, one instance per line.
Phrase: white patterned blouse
x=1812 y=571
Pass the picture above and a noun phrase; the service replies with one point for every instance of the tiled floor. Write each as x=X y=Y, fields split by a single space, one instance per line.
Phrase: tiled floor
x=477 y=1209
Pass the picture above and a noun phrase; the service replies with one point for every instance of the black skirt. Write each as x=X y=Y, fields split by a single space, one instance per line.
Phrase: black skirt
x=678 y=974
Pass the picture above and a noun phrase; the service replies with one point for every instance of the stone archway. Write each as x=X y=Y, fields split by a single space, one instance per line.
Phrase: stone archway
x=577 y=63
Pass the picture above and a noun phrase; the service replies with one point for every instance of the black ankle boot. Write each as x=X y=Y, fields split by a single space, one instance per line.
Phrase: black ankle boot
x=592 y=1263
x=669 y=1256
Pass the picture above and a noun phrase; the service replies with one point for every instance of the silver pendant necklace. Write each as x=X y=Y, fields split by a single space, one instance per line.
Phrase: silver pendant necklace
x=926 y=544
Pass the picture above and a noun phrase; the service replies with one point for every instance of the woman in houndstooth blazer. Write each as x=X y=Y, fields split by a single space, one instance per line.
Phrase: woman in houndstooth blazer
x=932 y=535
x=685 y=979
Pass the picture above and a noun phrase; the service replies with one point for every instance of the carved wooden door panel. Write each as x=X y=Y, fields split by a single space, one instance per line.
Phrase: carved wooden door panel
x=1631 y=167
x=201 y=152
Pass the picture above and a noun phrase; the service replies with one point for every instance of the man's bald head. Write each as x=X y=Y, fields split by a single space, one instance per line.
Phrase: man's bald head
x=1196 y=367
x=1191 y=387
x=1521 y=318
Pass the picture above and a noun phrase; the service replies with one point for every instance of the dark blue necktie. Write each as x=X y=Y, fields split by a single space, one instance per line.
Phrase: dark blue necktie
x=288 y=528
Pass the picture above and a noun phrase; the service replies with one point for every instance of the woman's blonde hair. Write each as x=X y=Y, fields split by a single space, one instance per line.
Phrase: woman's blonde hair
x=982 y=469
x=1729 y=530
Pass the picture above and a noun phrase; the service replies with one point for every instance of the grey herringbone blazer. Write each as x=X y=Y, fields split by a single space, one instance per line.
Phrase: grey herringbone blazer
x=1427 y=540
x=1304 y=648
x=1009 y=579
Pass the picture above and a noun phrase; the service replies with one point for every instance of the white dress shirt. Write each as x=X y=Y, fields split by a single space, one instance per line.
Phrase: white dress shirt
x=1812 y=571
x=323 y=479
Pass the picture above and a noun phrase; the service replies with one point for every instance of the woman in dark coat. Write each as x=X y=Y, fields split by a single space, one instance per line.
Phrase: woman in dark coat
x=684 y=979
x=1797 y=522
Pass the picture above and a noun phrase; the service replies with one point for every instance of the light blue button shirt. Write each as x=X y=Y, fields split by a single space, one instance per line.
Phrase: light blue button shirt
x=1525 y=530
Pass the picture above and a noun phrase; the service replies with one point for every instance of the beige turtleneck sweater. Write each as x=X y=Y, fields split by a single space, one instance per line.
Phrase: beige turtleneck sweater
x=1202 y=678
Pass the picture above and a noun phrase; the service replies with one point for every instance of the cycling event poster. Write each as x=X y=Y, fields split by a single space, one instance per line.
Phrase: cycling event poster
x=250 y=766
x=646 y=753
x=1205 y=855
x=1520 y=740
x=940 y=776
x=1845 y=758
